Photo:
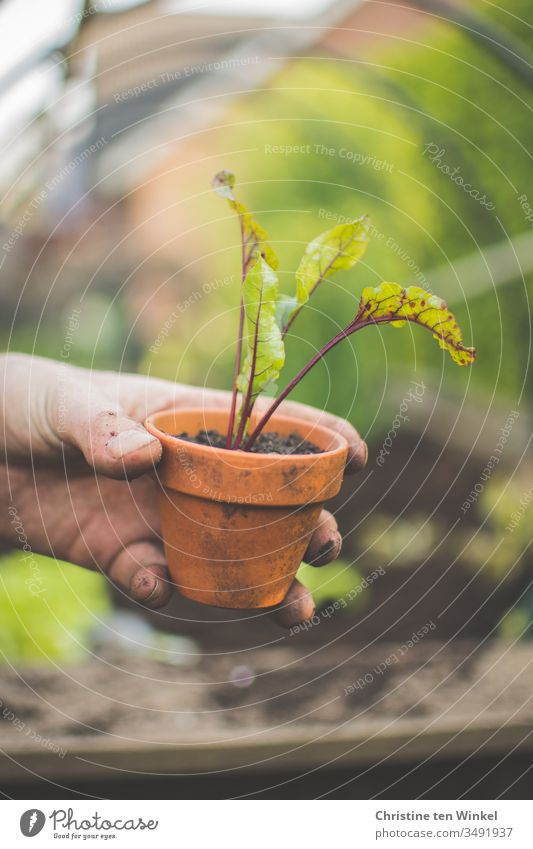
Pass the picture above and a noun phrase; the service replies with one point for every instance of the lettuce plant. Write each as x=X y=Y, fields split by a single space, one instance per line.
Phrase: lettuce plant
x=266 y=314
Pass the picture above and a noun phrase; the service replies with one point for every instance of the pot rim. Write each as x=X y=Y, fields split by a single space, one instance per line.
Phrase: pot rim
x=339 y=443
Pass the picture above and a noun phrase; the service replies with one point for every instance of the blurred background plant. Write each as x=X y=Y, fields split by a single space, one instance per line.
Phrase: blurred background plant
x=50 y=620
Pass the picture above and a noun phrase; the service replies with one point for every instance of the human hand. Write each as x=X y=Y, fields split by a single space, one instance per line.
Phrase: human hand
x=102 y=513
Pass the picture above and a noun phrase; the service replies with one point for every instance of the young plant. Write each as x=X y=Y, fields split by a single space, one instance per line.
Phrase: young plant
x=266 y=314
x=254 y=242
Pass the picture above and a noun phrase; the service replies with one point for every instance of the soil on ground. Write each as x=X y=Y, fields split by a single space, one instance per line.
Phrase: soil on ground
x=282 y=686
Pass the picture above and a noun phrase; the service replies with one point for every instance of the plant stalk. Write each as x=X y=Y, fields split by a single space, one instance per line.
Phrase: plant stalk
x=238 y=354
x=294 y=382
x=236 y=370
x=353 y=327
x=311 y=291
x=247 y=406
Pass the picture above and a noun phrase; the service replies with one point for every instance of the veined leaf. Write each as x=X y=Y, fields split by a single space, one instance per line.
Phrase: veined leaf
x=265 y=349
x=334 y=250
x=255 y=238
x=390 y=303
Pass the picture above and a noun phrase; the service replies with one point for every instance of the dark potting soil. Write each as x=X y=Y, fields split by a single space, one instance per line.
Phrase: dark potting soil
x=267 y=443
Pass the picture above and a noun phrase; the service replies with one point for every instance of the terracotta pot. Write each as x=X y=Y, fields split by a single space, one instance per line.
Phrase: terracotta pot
x=236 y=525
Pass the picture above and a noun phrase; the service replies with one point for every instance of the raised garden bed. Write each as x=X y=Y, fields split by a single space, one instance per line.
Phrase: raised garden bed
x=109 y=721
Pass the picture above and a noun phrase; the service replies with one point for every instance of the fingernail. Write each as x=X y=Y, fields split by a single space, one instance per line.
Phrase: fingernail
x=128 y=441
x=329 y=551
x=357 y=458
x=335 y=545
x=153 y=593
x=143 y=586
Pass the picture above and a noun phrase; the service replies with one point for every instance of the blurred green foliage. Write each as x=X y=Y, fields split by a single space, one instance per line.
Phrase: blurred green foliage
x=47 y=610
x=334 y=582
x=447 y=91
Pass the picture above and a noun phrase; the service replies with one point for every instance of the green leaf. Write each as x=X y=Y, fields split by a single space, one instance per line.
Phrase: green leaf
x=337 y=249
x=255 y=238
x=265 y=349
x=390 y=303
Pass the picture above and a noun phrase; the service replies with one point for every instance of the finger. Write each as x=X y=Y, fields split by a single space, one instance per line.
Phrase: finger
x=139 y=570
x=112 y=443
x=326 y=543
x=357 y=447
x=140 y=396
x=296 y=607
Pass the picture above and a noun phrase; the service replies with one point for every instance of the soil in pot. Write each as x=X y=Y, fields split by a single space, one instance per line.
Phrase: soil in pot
x=267 y=443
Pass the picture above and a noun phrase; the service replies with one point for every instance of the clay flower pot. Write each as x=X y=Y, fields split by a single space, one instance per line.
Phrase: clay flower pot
x=235 y=524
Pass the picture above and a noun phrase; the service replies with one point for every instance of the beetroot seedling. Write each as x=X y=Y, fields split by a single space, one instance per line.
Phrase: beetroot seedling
x=266 y=315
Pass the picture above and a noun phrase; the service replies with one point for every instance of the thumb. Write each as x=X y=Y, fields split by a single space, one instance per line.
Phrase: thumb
x=113 y=443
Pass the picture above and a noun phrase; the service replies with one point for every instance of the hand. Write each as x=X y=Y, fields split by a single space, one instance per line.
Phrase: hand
x=102 y=513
